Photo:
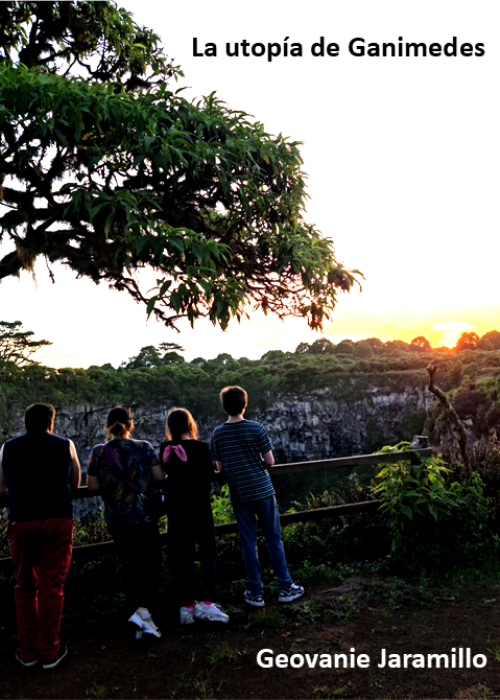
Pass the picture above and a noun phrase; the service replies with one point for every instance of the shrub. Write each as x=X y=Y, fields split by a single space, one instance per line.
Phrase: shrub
x=432 y=519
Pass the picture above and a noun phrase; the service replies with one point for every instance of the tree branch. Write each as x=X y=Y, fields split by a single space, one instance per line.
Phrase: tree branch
x=452 y=416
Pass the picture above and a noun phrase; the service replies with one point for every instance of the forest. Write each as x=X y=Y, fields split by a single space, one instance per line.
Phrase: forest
x=348 y=369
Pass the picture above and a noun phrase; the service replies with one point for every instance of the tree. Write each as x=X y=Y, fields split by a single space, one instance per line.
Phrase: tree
x=396 y=346
x=149 y=356
x=104 y=168
x=467 y=341
x=489 y=341
x=345 y=346
x=170 y=355
x=376 y=344
x=16 y=345
x=420 y=343
x=322 y=346
x=363 y=349
x=451 y=415
x=302 y=348
x=273 y=356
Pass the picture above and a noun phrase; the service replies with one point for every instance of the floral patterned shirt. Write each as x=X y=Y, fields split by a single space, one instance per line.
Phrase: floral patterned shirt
x=123 y=505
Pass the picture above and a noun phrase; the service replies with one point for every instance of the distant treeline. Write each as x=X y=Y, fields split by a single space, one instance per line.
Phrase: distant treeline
x=162 y=374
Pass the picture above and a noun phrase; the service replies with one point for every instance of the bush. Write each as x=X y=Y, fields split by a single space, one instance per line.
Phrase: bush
x=433 y=520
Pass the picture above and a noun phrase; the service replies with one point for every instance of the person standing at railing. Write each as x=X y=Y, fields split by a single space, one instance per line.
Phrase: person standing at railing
x=242 y=450
x=39 y=470
x=188 y=465
x=121 y=470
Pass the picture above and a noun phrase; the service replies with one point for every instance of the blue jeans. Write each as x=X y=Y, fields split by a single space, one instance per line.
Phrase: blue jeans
x=265 y=511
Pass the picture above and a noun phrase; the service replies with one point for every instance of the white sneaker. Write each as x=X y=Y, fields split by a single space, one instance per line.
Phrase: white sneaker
x=144 y=621
x=187 y=615
x=210 y=611
x=254 y=599
x=291 y=593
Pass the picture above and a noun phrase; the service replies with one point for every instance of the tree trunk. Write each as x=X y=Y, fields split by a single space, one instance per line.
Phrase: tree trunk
x=452 y=416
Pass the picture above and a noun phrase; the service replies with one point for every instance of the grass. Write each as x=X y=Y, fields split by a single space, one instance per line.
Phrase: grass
x=495 y=653
x=202 y=686
x=328 y=693
x=344 y=610
x=306 y=612
x=226 y=652
x=264 y=620
x=97 y=691
x=309 y=574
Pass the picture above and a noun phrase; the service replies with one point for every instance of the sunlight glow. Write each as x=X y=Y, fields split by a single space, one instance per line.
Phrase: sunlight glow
x=451 y=332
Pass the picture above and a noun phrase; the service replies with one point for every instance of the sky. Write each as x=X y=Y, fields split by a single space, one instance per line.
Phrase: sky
x=402 y=159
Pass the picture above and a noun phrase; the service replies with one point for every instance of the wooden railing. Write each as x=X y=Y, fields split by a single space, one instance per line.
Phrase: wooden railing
x=106 y=548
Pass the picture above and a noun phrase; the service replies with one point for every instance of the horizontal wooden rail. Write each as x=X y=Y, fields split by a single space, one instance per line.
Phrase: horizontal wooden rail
x=370 y=460
x=107 y=548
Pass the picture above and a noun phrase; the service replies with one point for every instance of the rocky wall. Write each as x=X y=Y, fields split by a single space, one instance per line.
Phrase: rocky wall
x=316 y=425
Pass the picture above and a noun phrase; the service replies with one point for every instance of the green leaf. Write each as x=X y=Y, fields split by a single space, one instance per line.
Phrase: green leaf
x=139 y=244
x=150 y=305
x=108 y=224
x=176 y=301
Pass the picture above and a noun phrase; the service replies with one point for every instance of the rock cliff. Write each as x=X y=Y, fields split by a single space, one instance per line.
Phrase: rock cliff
x=319 y=424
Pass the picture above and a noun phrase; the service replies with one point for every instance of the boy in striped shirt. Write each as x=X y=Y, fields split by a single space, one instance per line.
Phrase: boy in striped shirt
x=242 y=450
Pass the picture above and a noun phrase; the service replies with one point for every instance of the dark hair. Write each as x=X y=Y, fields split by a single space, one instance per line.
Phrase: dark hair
x=119 y=422
x=39 y=416
x=180 y=421
x=234 y=400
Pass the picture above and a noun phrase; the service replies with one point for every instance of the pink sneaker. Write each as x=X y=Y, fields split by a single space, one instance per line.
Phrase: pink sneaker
x=187 y=614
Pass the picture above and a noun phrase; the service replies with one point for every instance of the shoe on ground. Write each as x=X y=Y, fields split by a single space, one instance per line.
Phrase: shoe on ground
x=256 y=600
x=63 y=651
x=27 y=664
x=291 y=593
x=210 y=611
x=187 y=614
x=144 y=622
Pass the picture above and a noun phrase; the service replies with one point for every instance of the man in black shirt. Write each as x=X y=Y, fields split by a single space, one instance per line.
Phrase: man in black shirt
x=38 y=470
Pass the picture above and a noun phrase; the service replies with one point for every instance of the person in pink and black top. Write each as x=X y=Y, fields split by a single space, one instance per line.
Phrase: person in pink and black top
x=187 y=463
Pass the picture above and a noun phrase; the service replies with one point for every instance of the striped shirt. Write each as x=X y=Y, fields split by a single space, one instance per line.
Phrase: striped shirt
x=240 y=446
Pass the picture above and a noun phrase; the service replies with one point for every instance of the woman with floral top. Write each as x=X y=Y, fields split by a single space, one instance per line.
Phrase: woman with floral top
x=121 y=470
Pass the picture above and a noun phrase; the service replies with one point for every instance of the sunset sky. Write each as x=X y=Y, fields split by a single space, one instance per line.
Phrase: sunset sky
x=402 y=156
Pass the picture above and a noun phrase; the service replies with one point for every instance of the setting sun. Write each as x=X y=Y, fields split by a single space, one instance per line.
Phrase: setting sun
x=450 y=332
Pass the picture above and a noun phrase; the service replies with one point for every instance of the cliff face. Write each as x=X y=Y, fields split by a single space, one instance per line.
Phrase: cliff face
x=317 y=425
x=321 y=426
x=351 y=419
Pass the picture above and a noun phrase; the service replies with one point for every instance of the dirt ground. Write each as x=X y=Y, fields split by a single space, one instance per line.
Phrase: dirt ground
x=208 y=660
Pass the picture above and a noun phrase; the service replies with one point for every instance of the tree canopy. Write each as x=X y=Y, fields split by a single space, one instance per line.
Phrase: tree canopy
x=106 y=169
x=17 y=346
x=149 y=356
x=420 y=343
x=467 y=341
x=489 y=341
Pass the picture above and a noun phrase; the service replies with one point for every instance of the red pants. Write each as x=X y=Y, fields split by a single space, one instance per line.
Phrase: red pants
x=41 y=553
